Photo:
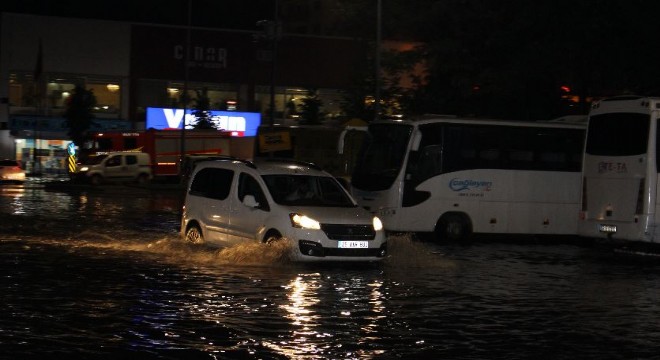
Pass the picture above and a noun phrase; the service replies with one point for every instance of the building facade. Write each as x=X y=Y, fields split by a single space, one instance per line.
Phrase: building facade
x=133 y=66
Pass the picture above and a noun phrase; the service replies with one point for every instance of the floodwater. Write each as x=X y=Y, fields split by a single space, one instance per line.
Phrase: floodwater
x=100 y=273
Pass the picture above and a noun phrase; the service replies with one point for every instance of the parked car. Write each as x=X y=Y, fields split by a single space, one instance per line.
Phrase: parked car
x=232 y=201
x=115 y=166
x=11 y=171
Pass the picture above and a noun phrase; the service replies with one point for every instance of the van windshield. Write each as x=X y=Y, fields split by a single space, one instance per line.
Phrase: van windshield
x=304 y=190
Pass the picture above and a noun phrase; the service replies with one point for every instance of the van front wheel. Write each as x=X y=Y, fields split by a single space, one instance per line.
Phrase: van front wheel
x=194 y=235
x=272 y=237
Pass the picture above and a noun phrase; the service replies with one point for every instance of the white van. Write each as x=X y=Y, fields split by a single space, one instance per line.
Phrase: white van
x=116 y=166
x=232 y=201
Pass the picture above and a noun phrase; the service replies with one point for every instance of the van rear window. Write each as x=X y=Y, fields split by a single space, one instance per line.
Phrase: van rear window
x=212 y=183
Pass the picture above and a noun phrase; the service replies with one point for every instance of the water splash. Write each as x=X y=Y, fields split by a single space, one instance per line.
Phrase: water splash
x=407 y=252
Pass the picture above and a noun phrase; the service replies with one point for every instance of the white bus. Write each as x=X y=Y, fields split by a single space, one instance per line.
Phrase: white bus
x=620 y=184
x=453 y=177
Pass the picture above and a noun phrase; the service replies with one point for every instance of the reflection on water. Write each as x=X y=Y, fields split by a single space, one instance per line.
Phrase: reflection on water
x=163 y=294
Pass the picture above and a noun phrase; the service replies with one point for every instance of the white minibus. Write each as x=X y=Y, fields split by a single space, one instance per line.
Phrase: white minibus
x=453 y=177
x=620 y=170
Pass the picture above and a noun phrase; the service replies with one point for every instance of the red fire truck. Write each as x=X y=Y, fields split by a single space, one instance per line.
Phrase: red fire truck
x=163 y=146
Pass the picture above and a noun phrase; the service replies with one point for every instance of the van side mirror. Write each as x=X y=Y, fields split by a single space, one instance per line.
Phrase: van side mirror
x=250 y=201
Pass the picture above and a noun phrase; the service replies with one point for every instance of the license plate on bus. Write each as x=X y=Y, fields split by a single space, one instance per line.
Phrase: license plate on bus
x=606 y=228
x=353 y=244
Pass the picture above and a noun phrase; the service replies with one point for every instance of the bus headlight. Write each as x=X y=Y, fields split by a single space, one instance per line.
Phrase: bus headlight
x=378 y=225
x=304 y=222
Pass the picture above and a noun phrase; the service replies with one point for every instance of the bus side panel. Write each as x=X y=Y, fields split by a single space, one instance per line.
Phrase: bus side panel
x=519 y=202
x=656 y=216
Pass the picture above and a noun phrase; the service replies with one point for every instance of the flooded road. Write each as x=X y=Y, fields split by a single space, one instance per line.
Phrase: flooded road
x=101 y=273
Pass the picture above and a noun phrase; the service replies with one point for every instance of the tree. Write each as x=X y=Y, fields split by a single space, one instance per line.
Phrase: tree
x=201 y=110
x=78 y=114
x=311 y=108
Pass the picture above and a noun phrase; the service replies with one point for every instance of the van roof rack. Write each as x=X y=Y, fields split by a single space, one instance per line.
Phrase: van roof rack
x=291 y=161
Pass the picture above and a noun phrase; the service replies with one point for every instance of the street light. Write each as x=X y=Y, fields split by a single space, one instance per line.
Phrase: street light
x=272 y=33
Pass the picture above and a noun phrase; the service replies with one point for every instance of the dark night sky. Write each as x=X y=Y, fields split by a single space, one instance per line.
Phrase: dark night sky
x=205 y=13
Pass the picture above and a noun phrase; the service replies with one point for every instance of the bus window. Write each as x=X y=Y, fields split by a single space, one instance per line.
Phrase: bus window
x=430 y=163
x=618 y=134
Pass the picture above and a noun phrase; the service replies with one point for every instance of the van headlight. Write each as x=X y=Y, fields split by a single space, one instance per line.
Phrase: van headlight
x=84 y=168
x=304 y=222
x=378 y=225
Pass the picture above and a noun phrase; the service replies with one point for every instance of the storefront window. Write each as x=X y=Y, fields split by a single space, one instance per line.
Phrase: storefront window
x=107 y=92
x=221 y=96
x=289 y=101
x=59 y=90
x=25 y=98
x=49 y=157
x=22 y=93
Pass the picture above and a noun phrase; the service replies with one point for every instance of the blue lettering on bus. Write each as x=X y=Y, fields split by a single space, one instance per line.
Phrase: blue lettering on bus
x=457 y=184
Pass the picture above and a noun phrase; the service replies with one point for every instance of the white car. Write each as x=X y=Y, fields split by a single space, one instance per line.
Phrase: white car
x=115 y=166
x=11 y=171
x=232 y=201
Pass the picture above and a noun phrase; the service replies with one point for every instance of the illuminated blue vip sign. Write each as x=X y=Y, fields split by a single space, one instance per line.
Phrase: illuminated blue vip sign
x=238 y=123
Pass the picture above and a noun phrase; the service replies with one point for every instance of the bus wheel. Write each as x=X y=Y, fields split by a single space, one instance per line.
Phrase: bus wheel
x=453 y=227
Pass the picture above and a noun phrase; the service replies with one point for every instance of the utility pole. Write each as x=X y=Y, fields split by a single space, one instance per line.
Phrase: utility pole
x=184 y=96
x=377 y=82
x=41 y=102
x=274 y=33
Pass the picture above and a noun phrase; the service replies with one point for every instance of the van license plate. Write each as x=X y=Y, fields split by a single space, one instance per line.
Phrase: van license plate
x=605 y=228
x=353 y=244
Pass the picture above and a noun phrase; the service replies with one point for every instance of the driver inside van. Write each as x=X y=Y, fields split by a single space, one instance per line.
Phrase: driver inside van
x=301 y=191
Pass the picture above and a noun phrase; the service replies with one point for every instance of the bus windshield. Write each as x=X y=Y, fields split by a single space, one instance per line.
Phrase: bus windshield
x=381 y=156
x=618 y=134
